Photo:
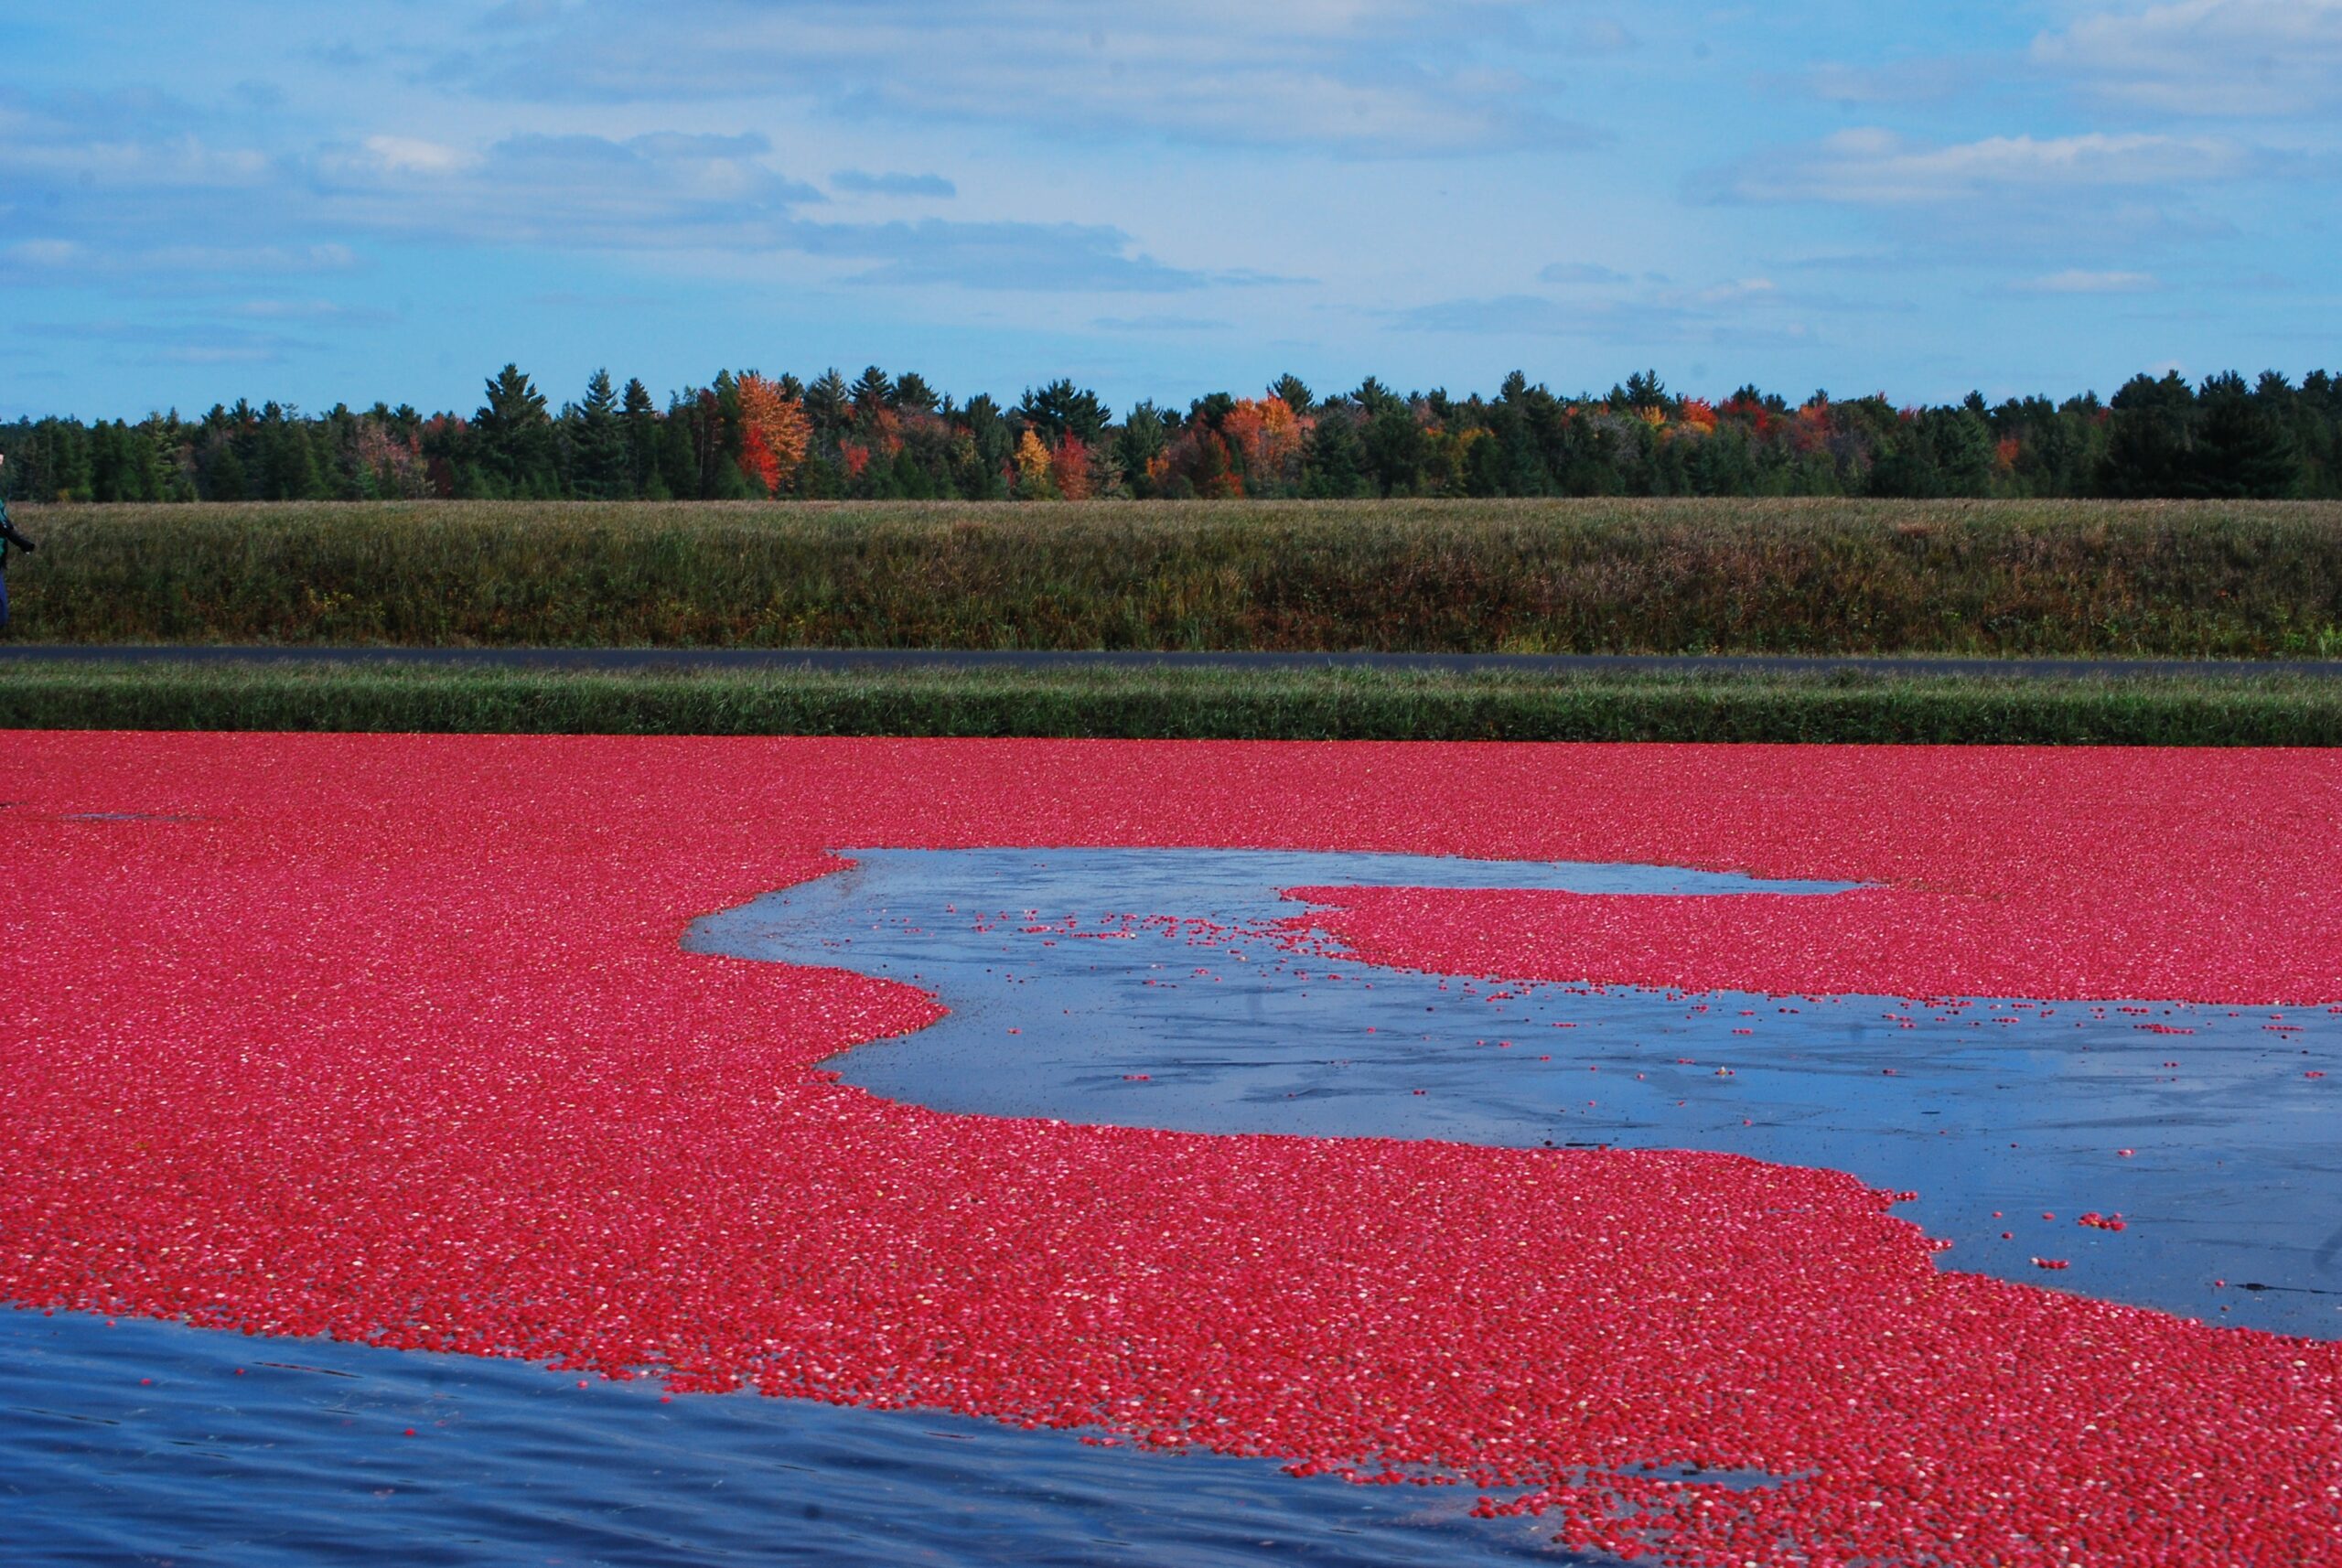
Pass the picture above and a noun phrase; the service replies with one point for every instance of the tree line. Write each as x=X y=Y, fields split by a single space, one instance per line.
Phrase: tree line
x=744 y=435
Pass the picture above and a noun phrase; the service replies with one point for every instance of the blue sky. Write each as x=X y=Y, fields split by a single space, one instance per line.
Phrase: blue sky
x=392 y=197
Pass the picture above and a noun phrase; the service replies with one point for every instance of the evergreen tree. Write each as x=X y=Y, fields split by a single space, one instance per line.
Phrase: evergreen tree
x=223 y=475
x=826 y=402
x=1374 y=397
x=68 y=468
x=1395 y=449
x=720 y=438
x=678 y=466
x=1518 y=469
x=912 y=392
x=289 y=465
x=601 y=444
x=1061 y=409
x=981 y=470
x=516 y=435
x=2151 y=451
x=2244 y=450
x=1137 y=443
x=641 y=417
x=1211 y=413
x=1332 y=463
x=1963 y=447
x=2158 y=437
x=872 y=393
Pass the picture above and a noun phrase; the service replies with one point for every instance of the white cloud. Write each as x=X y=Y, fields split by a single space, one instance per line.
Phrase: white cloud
x=664 y=191
x=2243 y=58
x=658 y=191
x=1876 y=168
x=406 y=155
x=2075 y=280
x=1317 y=73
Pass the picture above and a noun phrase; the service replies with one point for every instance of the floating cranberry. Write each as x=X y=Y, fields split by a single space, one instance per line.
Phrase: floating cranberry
x=393 y=1041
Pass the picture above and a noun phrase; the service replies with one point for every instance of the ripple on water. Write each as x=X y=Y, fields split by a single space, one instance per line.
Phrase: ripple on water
x=143 y=1442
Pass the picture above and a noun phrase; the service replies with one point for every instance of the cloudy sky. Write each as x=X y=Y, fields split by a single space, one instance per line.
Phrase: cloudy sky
x=392 y=197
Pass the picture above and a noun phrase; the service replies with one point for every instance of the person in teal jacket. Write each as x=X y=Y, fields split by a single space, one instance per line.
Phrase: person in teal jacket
x=8 y=536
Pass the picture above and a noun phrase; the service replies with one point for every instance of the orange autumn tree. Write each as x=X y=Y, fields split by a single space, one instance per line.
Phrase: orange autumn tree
x=1265 y=437
x=774 y=432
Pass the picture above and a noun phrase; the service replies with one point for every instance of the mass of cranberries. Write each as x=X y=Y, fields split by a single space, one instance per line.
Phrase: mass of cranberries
x=390 y=1038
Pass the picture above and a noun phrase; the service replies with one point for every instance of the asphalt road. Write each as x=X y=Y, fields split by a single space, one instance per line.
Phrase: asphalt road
x=827 y=659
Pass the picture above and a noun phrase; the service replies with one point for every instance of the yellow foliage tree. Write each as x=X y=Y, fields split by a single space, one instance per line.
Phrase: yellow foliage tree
x=1033 y=477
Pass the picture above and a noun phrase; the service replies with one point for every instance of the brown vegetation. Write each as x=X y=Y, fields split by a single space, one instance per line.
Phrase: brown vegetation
x=2184 y=579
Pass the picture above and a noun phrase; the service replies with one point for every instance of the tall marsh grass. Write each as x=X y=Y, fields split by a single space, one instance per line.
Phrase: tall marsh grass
x=2240 y=580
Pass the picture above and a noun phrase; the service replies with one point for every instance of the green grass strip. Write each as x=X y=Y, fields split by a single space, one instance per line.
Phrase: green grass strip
x=1177 y=705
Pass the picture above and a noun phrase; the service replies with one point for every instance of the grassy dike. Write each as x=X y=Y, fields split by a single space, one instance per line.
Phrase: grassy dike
x=1314 y=705
x=2150 y=579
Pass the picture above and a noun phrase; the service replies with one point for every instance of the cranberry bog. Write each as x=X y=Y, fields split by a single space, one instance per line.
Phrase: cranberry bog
x=441 y=1046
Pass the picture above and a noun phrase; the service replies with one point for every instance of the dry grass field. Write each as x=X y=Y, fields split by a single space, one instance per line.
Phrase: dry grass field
x=2208 y=579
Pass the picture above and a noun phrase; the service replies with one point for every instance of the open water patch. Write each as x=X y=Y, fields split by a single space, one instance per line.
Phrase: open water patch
x=136 y=1441
x=2173 y=1157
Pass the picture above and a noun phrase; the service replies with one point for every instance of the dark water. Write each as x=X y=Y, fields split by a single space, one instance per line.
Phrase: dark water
x=2235 y=1169
x=301 y=1460
x=150 y=1443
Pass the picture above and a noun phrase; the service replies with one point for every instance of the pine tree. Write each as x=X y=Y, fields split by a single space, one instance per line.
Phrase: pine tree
x=1061 y=409
x=2243 y=449
x=1332 y=463
x=641 y=417
x=601 y=442
x=1139 y=441
x=289 y=466
x=223 y=475
x=1395 y=449
x=872 y=393
x=826 y=402
x=912 y=392
x=516 y=434
x=1373 y=397
x=982 y=472
x=2151 y=451
x=678 y=472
